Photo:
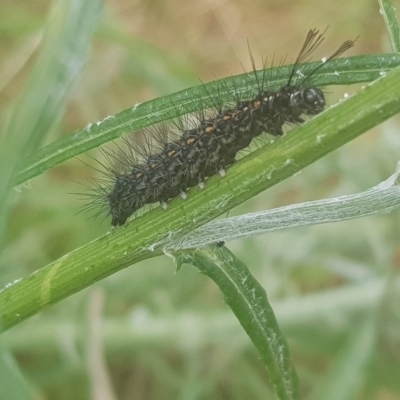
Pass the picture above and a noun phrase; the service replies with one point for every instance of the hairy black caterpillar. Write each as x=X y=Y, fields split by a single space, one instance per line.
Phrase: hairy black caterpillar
x=207 y=146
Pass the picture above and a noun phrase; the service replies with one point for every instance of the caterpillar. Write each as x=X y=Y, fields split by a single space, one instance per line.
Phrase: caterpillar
x=140 y=175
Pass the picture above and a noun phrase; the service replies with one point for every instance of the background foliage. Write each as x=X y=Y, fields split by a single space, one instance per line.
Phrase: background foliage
x=146 y=333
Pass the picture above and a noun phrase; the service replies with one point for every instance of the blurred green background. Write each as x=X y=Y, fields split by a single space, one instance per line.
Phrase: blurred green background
x=147 y=333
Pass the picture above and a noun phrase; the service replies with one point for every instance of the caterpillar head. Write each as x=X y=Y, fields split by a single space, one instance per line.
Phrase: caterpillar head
x=309 y=101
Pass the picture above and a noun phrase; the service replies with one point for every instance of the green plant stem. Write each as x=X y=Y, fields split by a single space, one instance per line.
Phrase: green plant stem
x=248 y=301
x=146 y=236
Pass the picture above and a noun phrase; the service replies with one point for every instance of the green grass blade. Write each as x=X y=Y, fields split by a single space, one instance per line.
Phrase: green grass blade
x=339 y=72
x=66 y=46
x=248 y=301
x=146 y=236
x=348 y=374
x=388 y=12
x=13 y=384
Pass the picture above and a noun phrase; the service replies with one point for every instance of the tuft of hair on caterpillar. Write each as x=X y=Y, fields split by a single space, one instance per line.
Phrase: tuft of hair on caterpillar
x=162 y=168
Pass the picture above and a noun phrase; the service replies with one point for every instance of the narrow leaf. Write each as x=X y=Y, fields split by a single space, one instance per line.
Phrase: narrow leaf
x=248 y=301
